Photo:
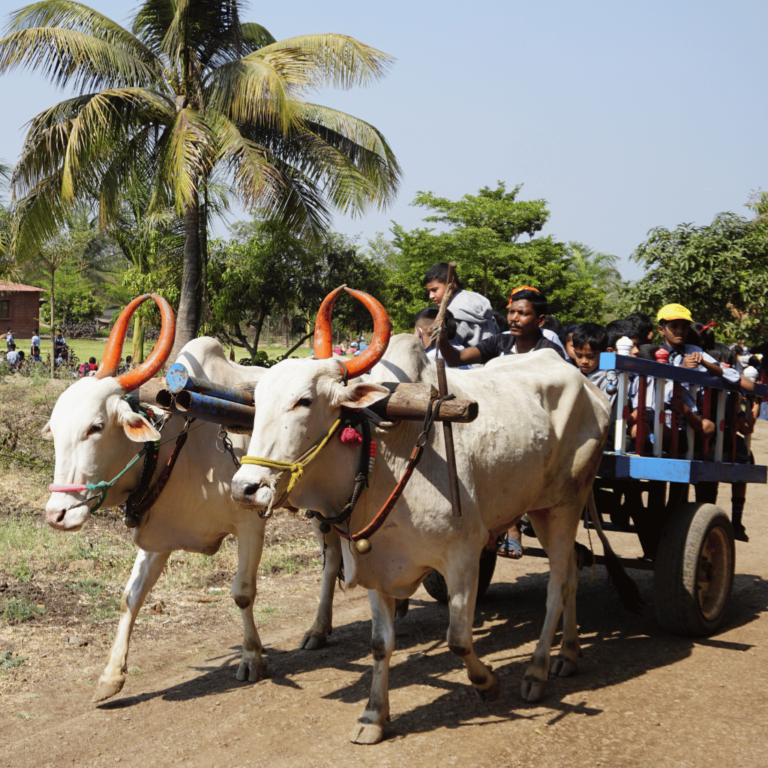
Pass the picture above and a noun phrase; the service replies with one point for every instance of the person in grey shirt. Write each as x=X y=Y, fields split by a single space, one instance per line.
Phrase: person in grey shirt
x=472 y=311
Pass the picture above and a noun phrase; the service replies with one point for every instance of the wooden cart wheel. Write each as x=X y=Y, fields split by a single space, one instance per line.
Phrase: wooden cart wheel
x=438 y=589
x=694 y=570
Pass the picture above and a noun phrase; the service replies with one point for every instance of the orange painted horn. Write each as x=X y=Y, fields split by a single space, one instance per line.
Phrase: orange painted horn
x=323 y=333
x=382 y=330
x=135 y=378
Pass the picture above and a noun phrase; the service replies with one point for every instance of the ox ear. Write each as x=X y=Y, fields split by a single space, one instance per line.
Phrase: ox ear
x=46 y=433
x=361 y=395
x=136 y=427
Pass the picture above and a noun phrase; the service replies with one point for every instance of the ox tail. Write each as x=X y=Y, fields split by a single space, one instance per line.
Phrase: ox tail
x=628 y=592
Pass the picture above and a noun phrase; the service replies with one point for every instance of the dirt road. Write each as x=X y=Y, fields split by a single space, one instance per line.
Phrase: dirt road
x=643 y=698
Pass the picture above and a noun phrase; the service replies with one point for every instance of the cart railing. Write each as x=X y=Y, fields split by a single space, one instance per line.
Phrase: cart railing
x=674 y=468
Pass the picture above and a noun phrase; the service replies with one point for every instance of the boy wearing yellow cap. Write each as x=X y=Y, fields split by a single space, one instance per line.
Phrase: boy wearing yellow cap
x=674 y=323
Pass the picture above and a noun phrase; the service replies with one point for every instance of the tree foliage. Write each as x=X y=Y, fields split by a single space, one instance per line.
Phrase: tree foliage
x=266 y=271
x=719 y=271
x=484 y=240
x=189 y=91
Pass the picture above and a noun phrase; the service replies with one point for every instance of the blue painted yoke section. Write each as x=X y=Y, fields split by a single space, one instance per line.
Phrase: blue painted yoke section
x=616 y=465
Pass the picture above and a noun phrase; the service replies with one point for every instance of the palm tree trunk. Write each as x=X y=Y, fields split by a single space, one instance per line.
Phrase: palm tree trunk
x=53 y=334
x=188 y=319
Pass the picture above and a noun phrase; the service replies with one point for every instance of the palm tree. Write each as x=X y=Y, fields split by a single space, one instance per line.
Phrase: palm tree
x=7 y=267
x=597 y=267
x=187 y=90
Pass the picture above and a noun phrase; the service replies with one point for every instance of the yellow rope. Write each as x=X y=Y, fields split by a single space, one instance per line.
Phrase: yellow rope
x=296 y=468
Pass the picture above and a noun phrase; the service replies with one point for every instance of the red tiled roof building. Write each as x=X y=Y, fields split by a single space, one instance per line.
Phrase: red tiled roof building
x=19 y=309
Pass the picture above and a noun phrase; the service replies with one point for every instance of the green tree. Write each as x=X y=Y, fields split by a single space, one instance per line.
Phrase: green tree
x=266 y=271
x=258 y=273
x=600 y=269
x=189 y=89
x=485 y=241
x=719 y=271
x=75 y=300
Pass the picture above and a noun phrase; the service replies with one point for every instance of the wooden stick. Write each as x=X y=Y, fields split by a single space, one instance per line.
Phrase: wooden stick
x=442 y=384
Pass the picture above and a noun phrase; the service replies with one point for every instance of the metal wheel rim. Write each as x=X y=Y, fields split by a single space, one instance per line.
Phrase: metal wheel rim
x=714 y=573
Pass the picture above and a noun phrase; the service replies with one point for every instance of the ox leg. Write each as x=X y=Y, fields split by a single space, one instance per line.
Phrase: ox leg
x=317 y=635
x=461 y=580
x=557 y=534
x=250 y=542
x=370 y=727
x=145 y=573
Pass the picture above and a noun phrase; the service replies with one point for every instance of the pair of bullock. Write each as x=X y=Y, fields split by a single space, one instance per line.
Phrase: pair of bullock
x=534 y=448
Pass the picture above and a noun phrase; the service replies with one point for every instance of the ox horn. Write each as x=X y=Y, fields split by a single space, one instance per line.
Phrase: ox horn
x=144 y=372
x=323 y=333
x=382 y=330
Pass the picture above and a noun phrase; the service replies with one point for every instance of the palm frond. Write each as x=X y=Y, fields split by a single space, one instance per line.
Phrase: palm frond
x=248 y=163
x=70 y=58
x=188 y=153
x=255 y=36
x=337 y=60
x=257 y=89
x=368 y=159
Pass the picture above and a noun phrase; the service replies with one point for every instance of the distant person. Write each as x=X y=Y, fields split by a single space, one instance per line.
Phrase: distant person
x=35 y=356
x=89 y=368
x=35 y=343
x=8 y=339
x=12 y=356
x=472 y=311
x=59 y=342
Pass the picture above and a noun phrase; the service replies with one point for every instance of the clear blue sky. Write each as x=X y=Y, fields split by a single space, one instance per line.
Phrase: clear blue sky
x=623 y=116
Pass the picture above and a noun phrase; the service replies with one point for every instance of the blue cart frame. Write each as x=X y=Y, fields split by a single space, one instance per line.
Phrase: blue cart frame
x=689 y=545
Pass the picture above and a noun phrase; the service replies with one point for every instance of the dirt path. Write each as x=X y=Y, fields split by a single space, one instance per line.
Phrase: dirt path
x=643 y=698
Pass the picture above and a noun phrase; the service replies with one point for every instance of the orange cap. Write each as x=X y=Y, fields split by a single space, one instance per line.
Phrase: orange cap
x=518 y=289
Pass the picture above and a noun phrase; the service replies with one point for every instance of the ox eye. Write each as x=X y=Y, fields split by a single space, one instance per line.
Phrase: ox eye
x=94 y=429
x=305 y=402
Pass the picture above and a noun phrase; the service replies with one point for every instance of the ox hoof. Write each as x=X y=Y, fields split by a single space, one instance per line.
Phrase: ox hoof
x=107 y=688
x=367 y=733
x=252 y=671
x=401 y=610
x=563 y=667
x=313 y=641
x=492 y=690
x=533 y=690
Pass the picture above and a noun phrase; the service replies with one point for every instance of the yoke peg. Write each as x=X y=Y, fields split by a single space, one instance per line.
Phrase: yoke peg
x=363 y=546
x=325 y=528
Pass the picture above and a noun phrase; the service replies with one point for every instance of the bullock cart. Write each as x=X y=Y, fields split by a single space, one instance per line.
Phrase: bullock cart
x=664 y=497
x=667 y=497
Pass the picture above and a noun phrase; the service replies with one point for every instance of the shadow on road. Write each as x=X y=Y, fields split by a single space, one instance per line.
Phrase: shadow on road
x=617 y=646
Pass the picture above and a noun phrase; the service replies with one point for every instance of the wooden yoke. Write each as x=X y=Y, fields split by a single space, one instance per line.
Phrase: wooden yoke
x=442 y=383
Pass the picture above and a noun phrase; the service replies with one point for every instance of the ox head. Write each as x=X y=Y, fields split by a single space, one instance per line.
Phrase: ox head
x=297 y=404
x=94 y=428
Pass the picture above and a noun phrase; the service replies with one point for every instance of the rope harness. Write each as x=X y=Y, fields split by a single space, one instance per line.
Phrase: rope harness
x=363 y=535
x=141 y=498
x=297 y=468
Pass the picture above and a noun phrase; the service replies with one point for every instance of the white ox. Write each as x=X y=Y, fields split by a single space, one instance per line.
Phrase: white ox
x=534 y=448
x=97 y=434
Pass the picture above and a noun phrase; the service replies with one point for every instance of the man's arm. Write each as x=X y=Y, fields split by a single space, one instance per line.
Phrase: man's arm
x=456 y=357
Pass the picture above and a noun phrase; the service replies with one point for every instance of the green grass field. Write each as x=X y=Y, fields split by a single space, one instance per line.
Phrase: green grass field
x=86 y=348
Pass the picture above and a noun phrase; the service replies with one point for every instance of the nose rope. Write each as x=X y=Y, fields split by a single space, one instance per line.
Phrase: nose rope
x=296 y=468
